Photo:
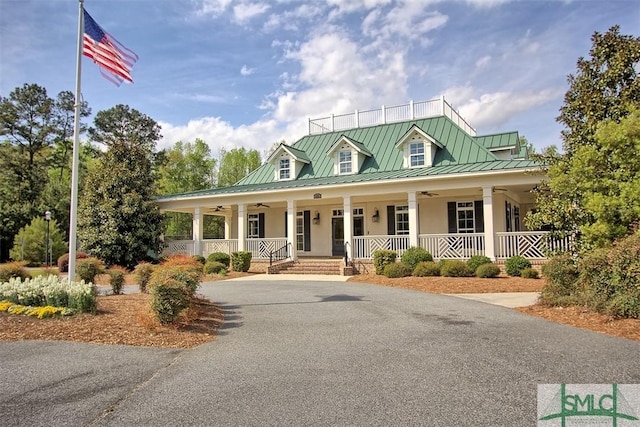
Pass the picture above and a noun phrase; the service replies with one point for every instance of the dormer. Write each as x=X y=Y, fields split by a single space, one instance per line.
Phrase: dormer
x=348 y=156
x=287 y=162
x=418 y=147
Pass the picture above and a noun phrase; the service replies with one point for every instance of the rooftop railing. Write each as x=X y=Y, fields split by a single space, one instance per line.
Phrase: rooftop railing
x=400 y=113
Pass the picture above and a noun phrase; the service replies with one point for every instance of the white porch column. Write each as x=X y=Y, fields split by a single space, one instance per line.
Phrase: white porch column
x=489 y=231
x=291 y=228
x=242 y=221
x=198 y=224
x=227 y=227
x=413 y=219
x=348 y=223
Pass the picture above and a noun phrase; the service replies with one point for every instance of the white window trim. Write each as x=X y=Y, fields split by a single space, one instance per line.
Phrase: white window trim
x=253 y=220
x=402 y=210
x=349 y=162
x=411 y=155
x=282 y=169
x=467 y=209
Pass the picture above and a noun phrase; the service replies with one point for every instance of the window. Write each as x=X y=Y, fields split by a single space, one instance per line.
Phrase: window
x=416 y=154
x=284 y=168
x=337 y=213
x=300 y=231
x=254 y=226
x=402 y=219
x=358 y=212
x=344 y=162
x=465 y=217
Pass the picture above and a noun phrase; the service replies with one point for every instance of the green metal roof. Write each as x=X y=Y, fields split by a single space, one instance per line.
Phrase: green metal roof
x=297 y=154
x=359 y=146
x=461 y=153
x=459 y=148
x=499 y=140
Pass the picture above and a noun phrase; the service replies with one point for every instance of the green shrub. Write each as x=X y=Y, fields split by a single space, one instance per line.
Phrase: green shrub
x=426 y=268
x=30 y=244
x=516 y=264
x=561 y=275
x=455 y=268
x=241 y=261
x=169 y=297
x=214 y=267
x=220 y=257
x=414 y=255
x=529 y=273
x=624 y=305
x=63 y=261
x=487 y=270
x=476 y=261
x=200 y=259
x=397 y=269
x=142 y=272
x=117 y=278
x=382 y=258
x=13 y=269
x=625 y=265
x=188 y=277
x=88 y=268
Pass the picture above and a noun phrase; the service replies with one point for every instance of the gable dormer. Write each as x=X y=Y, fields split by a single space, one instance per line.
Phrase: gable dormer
x=287 y=162
x=418 y=147
x=348 y=156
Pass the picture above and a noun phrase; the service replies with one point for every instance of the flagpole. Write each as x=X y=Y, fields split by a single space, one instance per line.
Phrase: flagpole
x=73 y=221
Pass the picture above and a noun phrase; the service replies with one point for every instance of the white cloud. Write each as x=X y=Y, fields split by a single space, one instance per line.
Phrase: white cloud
x=292 y=20
x=487 y=3
x=218 y=134
x=409 y=20
x=244 y=12
x=350 y=6
x=492 y=110
x=212 y=7
x=483 y=62
x=246 y=71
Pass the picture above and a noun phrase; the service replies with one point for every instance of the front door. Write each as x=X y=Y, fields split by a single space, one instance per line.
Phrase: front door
x=337 y=236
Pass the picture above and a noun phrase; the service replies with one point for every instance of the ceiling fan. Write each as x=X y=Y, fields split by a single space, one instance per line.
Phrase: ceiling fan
x=429 y=193
x=260 y=205
x=218 y=208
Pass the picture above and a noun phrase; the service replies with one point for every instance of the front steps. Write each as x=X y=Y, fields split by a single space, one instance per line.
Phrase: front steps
x=331 y=266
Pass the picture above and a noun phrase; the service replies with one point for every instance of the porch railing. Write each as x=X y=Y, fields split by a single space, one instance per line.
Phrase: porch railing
x=533 y=245
x=365 y=246
x=179 y=247
x=453 y=246
x=226 y=246
x=280 y=254
x=398 y=113
x=261 y=248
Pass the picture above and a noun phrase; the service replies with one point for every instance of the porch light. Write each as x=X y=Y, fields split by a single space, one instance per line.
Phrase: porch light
x=376 y=215
x=316 y=219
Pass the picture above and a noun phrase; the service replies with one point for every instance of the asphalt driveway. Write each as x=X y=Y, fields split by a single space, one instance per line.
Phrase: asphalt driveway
x=318 y=353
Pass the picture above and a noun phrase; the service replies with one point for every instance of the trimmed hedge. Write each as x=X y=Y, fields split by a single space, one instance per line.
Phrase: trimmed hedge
x=143 y=272
x=220 y=257
x=88 y=268
x=414 y=255
x=477 y=260
x=455 y=268
x=63 y=261
x=13 y=270
x=382 y=258
x=117 y=278
x=514 y=265
x=241 y=261
x=214 y=267
x=426 y=268
x=529 y=273
x=486 y=271
x=395 y=270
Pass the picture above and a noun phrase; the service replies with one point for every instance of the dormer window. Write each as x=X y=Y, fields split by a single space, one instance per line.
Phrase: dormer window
x=418 y=147
x=348 y=156
x=416 y=154
x=287 y=162
x=345 y=165
x=284 y=169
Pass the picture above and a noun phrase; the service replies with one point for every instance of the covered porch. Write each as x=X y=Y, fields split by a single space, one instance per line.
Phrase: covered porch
x=451 y=220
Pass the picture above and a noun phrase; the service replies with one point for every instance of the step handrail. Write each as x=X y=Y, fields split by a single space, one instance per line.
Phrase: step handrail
x=279 y=254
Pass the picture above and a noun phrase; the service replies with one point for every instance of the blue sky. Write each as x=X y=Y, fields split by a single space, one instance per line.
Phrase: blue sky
x=250 y=73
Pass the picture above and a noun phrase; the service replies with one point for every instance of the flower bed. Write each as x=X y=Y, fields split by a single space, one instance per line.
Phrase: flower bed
x=49 y=291
x=39 y=312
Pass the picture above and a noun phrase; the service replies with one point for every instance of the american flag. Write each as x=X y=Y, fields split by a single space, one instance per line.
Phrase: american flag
x=113 y=58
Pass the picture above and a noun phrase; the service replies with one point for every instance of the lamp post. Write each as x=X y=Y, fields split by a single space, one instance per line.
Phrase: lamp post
x=47 y=217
